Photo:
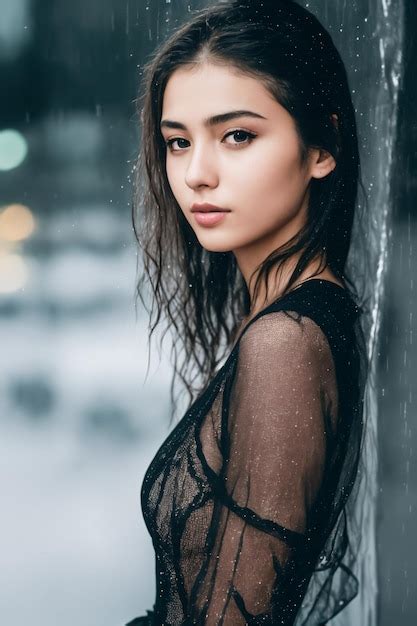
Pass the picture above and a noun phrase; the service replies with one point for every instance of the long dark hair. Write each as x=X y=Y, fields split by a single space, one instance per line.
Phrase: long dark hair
x=202 y=293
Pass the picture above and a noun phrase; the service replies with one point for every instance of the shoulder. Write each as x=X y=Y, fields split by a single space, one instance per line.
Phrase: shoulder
x=286 y=355
x=286 y=332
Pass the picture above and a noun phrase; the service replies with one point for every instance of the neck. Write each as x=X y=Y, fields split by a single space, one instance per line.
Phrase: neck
x=278 y=281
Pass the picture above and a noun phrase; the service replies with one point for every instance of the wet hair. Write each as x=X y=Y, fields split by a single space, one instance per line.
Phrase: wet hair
x=202 y=293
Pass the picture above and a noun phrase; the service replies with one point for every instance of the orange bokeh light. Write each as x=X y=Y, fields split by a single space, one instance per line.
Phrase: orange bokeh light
x=16 y=222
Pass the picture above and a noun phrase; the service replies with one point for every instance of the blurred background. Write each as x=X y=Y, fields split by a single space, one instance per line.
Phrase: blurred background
x=78 y=422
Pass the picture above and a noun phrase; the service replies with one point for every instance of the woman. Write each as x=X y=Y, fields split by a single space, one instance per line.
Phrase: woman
x=248 y=176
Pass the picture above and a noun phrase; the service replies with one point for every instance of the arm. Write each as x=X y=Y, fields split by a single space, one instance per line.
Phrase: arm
x=273 y=469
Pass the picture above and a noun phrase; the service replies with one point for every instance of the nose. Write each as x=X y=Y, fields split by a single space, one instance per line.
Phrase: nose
x=201 y=169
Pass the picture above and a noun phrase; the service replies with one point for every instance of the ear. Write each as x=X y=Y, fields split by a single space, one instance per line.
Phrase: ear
x=322 y=164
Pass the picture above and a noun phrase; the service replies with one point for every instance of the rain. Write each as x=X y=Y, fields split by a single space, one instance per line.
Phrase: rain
x=79 y=419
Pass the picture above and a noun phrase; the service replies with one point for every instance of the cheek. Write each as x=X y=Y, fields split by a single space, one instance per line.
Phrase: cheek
x=170 y=176
x=275 y=186
x=175 y=181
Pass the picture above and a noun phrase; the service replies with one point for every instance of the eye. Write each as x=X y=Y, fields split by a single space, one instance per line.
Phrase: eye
x=250 y=136
x=169 y=143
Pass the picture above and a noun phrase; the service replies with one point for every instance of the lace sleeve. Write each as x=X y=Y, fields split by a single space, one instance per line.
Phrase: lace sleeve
x=274 y=449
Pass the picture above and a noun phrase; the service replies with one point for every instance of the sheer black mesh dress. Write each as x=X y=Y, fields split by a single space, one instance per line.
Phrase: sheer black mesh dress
x=245 y=499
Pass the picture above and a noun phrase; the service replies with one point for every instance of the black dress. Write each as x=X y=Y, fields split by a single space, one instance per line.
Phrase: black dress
x=245 y=499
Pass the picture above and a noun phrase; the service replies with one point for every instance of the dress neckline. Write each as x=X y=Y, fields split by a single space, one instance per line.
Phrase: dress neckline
x=305 y=283
x=311 y=280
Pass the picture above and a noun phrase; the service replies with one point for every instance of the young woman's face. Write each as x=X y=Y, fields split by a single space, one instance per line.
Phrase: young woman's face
x=249 y=165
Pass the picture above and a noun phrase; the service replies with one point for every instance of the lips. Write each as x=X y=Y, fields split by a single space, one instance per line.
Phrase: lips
x=210 y=218
x=207 y=208
x=208 y=214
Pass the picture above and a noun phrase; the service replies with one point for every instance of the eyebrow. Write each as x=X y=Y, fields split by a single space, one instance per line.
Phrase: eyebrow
x=214 y=120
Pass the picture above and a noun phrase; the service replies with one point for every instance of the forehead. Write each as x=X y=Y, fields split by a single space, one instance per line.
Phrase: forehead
x=196 y=93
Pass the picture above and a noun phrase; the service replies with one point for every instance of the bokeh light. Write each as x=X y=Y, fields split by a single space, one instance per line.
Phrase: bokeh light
x=13 y=149
x=16 y=222
x=13 y=272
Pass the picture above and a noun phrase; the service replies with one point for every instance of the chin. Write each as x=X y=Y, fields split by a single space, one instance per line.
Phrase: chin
x=217 y=248
x=214 y=242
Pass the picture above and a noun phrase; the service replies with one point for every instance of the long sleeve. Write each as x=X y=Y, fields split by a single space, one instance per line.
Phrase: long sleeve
x=281 y=402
